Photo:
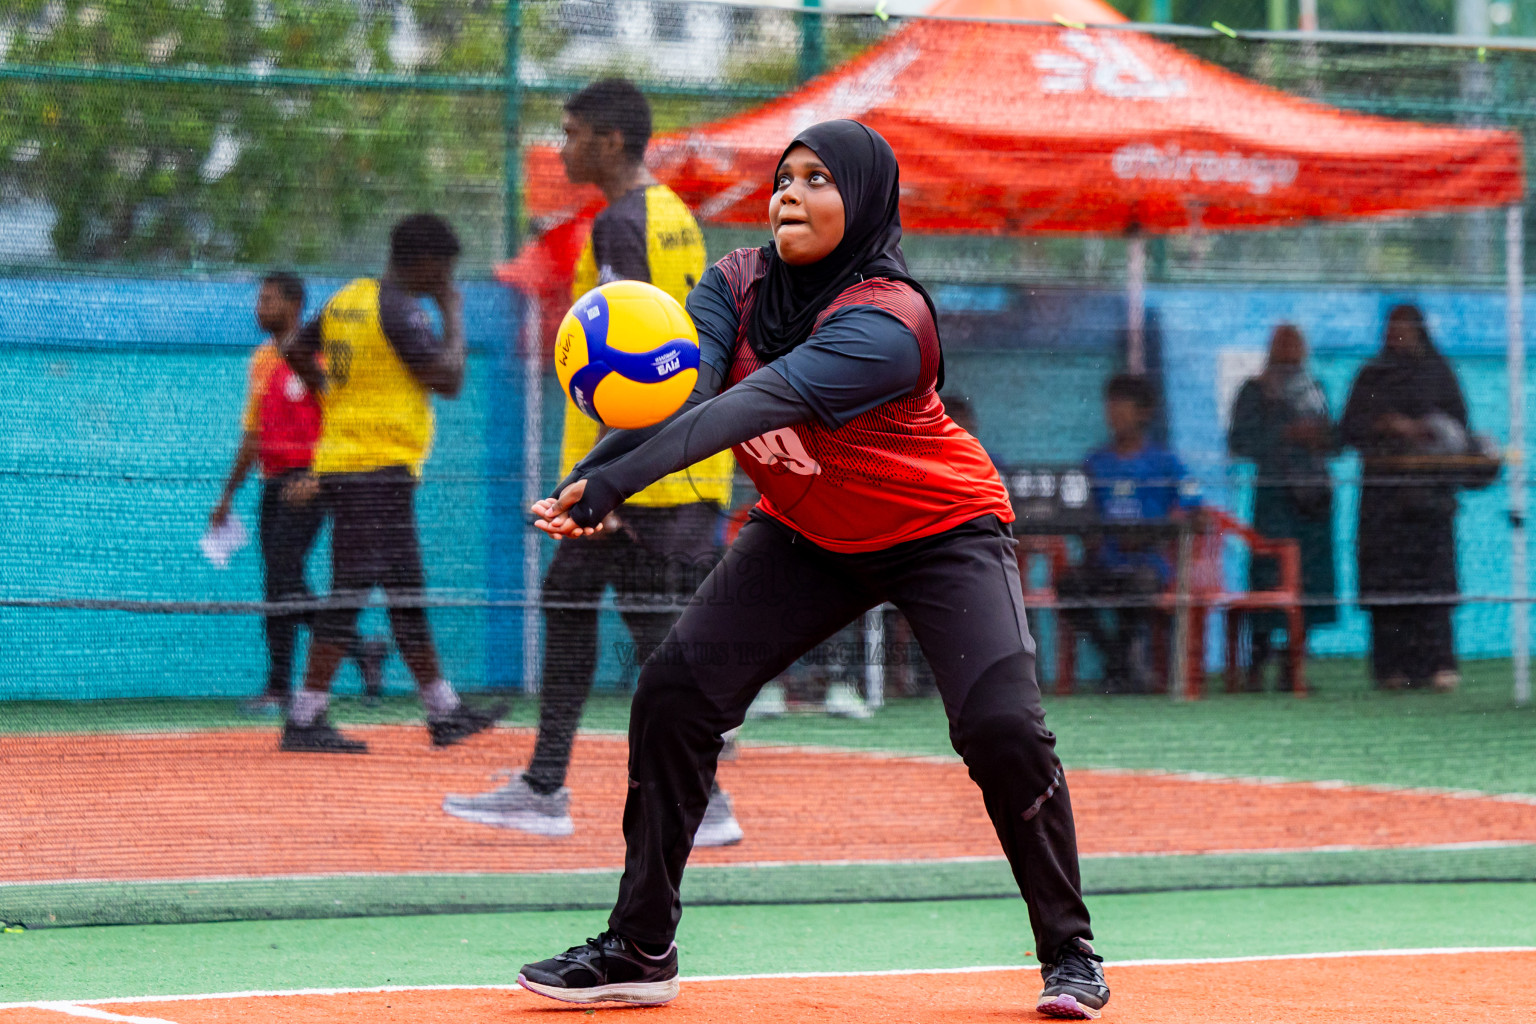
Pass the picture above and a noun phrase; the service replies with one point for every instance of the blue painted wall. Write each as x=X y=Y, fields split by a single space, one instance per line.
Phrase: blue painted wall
x=122 y=402
x=122 y=398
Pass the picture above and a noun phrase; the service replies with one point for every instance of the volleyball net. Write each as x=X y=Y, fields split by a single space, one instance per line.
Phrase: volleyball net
x=1084 y=202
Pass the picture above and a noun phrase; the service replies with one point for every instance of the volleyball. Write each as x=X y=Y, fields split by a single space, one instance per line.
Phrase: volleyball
x=627 y=354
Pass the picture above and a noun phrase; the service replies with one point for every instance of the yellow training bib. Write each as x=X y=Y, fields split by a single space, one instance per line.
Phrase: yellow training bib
x=376 y=413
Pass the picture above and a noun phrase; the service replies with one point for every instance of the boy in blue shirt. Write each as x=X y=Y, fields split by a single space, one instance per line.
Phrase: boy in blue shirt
x=1135 y=481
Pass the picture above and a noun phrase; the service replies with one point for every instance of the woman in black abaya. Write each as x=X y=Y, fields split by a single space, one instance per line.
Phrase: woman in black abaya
x=1406 y=402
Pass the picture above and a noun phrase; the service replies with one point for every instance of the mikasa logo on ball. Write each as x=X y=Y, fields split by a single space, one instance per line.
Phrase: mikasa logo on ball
x=668 y=362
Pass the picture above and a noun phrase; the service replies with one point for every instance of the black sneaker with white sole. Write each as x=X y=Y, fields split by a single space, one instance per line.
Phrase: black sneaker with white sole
x=319 y=737
x=607 y=969
x=1074 y=983
x=463 y=722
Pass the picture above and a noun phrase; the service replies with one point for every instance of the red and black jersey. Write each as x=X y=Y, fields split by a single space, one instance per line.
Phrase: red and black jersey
x=898 y=472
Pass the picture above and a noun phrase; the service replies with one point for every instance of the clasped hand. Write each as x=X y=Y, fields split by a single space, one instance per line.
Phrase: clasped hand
x=554 y=514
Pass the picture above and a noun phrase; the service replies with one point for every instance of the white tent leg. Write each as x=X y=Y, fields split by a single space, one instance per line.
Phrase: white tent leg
x=1136 y=303
x=533 y=437
x=1514 y=268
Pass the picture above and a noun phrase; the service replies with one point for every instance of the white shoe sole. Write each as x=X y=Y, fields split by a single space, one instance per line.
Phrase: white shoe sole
x=1065 y=1007
x=535 y=824
x=635 y=993
x=724 y=833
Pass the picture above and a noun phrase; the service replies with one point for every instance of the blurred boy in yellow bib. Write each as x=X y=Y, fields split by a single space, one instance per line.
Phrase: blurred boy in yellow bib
x=372 y=357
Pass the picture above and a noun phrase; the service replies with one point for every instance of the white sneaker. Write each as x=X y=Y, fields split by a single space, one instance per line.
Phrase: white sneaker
x=1446 y=681
x=843 y=701
x=769 y=702
x=516 y=805
x=719 y=827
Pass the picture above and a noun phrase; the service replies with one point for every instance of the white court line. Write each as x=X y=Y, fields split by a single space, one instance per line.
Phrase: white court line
x=80 y=1004
x=76 y=1010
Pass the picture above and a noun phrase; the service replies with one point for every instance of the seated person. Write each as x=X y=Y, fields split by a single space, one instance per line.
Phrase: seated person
x=1134 y=481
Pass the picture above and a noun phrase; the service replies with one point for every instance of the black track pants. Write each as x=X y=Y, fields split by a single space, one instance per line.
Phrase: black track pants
x=287 y=530
x=657 y=559
x=774 y=597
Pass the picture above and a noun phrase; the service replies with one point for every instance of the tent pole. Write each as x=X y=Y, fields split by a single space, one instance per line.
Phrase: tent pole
x=1514 y=269
x=1136 y=303
x=533 y=436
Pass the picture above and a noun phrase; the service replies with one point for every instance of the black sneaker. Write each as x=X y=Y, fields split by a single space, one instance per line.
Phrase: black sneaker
x=318 y=738
x=1074 y=984
x=607 y=969
x=463 y=722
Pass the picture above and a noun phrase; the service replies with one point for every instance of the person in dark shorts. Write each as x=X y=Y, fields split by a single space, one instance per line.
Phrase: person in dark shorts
x=281 y=423
x=821 y=366
x=381 y=365
x=660 y=545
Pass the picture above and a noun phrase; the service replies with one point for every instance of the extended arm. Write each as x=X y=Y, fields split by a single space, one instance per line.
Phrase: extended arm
x=764 y=401
x=245 y=458
x=859 y=359
x=715 y=315
x=616 y=443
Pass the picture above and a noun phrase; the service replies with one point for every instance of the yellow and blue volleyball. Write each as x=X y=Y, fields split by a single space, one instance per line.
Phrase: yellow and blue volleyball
x=627 y=354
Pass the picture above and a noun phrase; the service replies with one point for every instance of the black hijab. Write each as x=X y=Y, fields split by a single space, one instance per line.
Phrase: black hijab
x=1418 y=384
x=789 y=299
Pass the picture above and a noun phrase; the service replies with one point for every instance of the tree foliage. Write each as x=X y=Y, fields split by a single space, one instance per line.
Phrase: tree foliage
x=211 y=173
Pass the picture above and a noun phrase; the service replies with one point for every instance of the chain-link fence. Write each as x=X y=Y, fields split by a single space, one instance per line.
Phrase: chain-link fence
x=158 y=160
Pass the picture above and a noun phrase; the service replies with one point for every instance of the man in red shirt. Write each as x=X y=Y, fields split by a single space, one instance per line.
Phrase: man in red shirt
x=281 y=424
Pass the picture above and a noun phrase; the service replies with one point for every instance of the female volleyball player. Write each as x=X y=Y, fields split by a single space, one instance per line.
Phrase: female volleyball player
x=820 y=365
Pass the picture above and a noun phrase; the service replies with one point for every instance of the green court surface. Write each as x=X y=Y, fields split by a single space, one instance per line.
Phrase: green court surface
x=84 y=963
x=1472 y=739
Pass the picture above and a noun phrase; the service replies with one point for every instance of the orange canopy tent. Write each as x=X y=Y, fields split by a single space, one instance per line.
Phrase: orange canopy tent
x=1009 y=128
x=1006 y=127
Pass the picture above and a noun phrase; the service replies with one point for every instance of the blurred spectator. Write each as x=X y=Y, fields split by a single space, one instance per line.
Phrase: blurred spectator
x=1280 y=422
x=281 y=423
x=1134 y=481
x=1406 y=405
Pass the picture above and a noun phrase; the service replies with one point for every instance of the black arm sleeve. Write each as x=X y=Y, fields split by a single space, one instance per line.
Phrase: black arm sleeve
x=716 y=318
x=859 y=358
x=621 y=442
x=764 y=401
x=407 y=329
x=713 y=310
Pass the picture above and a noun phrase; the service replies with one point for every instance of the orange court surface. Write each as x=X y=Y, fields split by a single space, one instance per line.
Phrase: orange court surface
x=1424 y=987
x=229 y=798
